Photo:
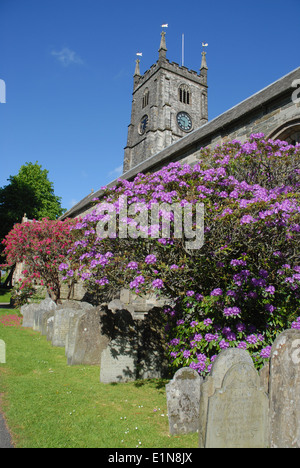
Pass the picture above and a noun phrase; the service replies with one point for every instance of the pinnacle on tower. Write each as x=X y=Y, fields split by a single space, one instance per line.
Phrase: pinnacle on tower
x=204 y=68
x=137 y=68
x=162 y=48
x=203 y=62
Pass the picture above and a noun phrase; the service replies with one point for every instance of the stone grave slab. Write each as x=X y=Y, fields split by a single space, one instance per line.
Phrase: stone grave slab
x=284 y=390
x=183 y=400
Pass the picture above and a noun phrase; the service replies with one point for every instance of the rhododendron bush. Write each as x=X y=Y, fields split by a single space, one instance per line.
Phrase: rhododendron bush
x=41 y=246
x=242 y=287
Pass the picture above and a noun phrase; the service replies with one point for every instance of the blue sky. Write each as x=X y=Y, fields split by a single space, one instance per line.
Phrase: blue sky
x=68 y=67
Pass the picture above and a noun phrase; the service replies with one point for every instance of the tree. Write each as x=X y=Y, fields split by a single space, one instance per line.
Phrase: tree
x=30 y=192
x=41 y=246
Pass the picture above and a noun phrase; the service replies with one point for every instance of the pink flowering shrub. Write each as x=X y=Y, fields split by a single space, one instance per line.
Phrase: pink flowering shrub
x=11 y=320
x=42 y=246
x=242 y=287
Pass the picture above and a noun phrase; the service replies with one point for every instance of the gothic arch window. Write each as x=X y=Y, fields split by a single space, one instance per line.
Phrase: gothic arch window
x=145 y=101
x=184 y=94
x=289 y=132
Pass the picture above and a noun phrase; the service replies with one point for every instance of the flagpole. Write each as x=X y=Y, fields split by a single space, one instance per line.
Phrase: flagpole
x=182 y=50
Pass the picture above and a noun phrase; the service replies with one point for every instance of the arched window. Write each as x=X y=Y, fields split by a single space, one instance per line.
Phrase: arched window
x=289 y=132
x=145 y=98
x=184 y=94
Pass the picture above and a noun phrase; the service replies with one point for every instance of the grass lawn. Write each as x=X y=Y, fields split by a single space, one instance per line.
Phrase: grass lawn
x=4 y=295
x=48 y=404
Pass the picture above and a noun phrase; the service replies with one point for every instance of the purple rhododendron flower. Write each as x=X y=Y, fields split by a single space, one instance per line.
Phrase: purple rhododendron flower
x=216 y=292
x=190 y=293
x=150 y=259
x=266 y=352
x=157 y=284
x=252 y=339
x=223 y=344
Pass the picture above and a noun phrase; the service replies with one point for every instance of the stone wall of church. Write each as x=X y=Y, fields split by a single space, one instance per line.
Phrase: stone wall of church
x=265 y=120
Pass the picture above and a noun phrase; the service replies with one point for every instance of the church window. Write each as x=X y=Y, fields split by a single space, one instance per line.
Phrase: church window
x=145 y=98
x=184 y=94
x=289 y=132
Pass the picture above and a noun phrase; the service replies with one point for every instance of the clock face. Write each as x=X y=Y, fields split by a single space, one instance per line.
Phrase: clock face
x=143 y=124
x=184 y=121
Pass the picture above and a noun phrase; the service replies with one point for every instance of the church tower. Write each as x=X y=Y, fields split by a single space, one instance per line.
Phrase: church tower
x=169 y=101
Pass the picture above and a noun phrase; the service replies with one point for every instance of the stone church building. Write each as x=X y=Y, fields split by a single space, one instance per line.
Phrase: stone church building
x=169 y=118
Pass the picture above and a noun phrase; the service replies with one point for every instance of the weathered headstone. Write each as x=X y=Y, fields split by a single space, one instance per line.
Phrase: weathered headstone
x=183 y=400
x=2 y=352
x=45 y=306
x=28 y=311
x=70 y=338
x=135 y=349
x=285 y=390
x=118 y=359
x=61 y=320
x=49 y=322
x=89 y=341
x=234 y=408
x=44 y=322
x=60 y=327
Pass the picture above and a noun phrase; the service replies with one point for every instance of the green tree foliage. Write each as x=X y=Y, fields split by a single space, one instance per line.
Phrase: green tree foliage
x=30 y=192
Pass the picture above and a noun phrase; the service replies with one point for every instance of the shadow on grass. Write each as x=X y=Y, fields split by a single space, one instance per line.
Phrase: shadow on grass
x=156 y=383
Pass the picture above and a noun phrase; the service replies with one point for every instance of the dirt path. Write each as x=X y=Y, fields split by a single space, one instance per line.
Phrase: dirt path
x=5 y=439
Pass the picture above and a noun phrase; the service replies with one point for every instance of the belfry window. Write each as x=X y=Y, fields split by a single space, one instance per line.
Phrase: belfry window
x=184 y=94
x=145 y=98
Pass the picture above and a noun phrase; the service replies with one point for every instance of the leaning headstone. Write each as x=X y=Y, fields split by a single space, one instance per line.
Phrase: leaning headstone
x=89 y=341
x=183 y=400
x=2 y=352
x=237 y=407
x=285 y=390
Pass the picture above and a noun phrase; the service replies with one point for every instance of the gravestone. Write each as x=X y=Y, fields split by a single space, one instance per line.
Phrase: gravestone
x=119 y=358
x=70 y=338
x=28 y=311
x=47 y=318
x=89 y=341
x=60 y=327
x=285 y=390
x=135 y=349
x=45 y=306
x=2 y=352
x=183 y=400
x=234 y=408
x=61 y=320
